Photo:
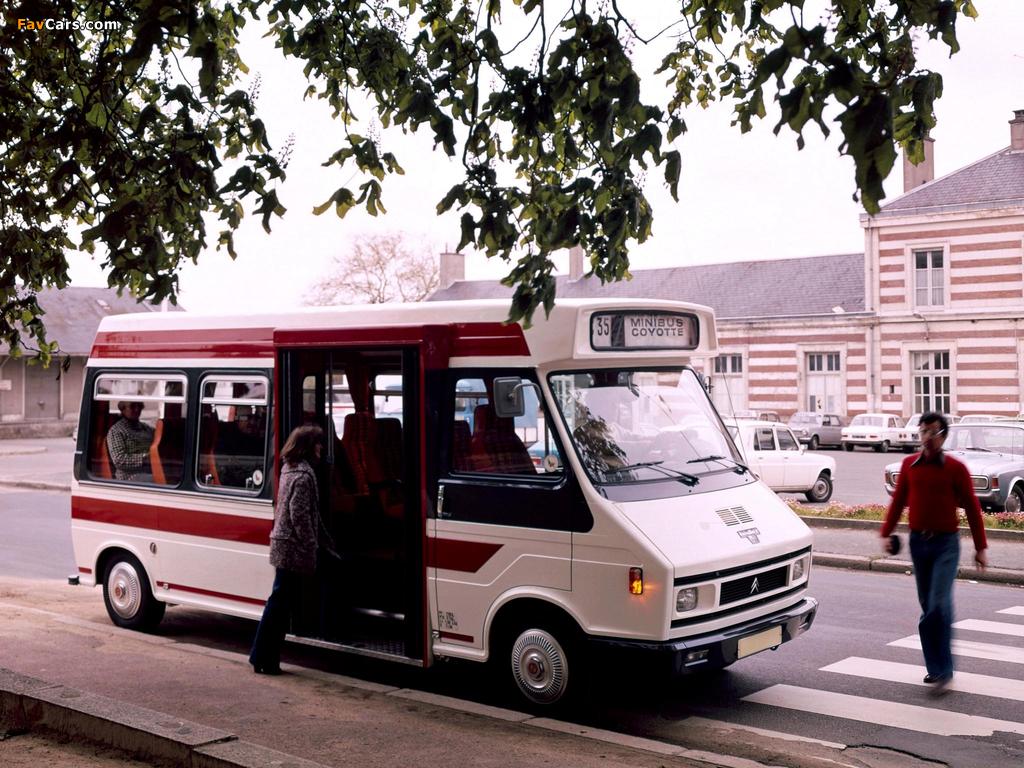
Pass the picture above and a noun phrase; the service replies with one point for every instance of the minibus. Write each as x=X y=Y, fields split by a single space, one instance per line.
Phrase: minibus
x=531 y=497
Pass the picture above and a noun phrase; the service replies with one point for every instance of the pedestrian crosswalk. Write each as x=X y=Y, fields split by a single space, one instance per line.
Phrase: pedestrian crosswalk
x=927 y=716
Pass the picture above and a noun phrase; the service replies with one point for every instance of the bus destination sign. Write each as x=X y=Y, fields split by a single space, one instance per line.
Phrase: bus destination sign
x=637 y=330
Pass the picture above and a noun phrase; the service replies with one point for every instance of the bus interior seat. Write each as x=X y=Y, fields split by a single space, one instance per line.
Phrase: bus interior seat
x=99 y=461
x=209 y=426
x=496 y=444
x=462 y=458
x=166 y=452
x=389 y=434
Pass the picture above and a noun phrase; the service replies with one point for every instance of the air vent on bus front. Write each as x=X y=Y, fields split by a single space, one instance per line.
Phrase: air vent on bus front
x=734 y=516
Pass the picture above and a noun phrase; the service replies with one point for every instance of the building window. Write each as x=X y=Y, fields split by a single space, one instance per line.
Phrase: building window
x=929 y=278
x=823 y=361
x=931 y=381
x=729 y=364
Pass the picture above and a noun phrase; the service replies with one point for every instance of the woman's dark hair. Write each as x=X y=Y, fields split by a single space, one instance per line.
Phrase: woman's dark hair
x=301 y=444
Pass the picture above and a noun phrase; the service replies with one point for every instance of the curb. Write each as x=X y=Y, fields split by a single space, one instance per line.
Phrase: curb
x=27 y=704
x=840 y=522
x=888 y=565
x=24 y=451
x=38 y=485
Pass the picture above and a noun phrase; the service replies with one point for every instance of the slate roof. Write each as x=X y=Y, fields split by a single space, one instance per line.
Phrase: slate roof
x=740 y=290
x=992 y=182
x=73 y=314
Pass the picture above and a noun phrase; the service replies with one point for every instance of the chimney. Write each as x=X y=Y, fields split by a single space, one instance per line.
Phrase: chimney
x=1017 y=131
x=916 y=175
x=453 y=268
x=575 y=263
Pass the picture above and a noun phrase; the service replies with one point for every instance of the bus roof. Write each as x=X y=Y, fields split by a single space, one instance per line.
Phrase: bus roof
x=654 y=329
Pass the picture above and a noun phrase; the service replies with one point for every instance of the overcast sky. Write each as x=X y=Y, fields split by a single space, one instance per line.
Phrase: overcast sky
x=742 y=197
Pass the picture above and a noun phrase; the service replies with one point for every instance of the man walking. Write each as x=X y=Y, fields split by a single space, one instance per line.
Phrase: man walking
x=934 y=485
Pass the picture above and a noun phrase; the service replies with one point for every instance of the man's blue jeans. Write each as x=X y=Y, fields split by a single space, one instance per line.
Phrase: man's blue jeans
x=936 y=559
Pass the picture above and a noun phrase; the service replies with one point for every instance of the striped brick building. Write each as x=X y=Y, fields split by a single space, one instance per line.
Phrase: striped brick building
x=928 y=317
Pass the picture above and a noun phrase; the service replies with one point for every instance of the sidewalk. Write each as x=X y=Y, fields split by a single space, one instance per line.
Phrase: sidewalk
x=192 y=700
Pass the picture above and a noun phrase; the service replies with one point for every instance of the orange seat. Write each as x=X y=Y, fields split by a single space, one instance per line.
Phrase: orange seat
x=155 y=464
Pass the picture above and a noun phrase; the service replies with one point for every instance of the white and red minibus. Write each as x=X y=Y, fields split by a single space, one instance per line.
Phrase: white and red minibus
x=532 y=496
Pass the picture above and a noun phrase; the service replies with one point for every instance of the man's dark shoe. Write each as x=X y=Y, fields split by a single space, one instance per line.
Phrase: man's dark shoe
x=931 y=679
x=940 y=685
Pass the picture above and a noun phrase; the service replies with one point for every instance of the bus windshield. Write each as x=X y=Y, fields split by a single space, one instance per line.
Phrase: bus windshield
x=637 y=425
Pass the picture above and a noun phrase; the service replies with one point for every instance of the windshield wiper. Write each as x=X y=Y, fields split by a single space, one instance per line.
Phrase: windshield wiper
x=683 y=477
x=739 y=469
x=985 y=450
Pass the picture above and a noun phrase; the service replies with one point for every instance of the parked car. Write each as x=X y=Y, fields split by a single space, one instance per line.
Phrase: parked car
x=908 y=438
x=979 y=418
x=994 y=455
x=773 y=453
x=815 y=429
x=874 y=430
x=772 y=416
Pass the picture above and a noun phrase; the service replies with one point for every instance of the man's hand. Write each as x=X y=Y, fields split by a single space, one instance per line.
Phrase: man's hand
x=981 y=558
x=886 y=545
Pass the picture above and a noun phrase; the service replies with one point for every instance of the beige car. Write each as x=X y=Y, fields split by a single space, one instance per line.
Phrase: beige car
x=774 y=454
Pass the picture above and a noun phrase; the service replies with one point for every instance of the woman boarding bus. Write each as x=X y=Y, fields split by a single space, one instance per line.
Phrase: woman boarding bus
x=524 y=496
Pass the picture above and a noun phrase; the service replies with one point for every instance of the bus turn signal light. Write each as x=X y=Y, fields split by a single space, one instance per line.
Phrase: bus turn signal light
x=636 y=581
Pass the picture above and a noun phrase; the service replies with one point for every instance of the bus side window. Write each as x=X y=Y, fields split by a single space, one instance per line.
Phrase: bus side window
x=232 y=432
x=137 y=428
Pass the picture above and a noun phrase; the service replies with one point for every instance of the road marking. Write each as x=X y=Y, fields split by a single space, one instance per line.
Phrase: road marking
x=995 y=627
x=891 y=714
x=704 y=722
x=965 y=682
x=972 y=649
x=1017 y=610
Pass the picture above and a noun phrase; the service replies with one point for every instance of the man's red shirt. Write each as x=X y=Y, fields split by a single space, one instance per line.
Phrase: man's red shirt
x=934 y=488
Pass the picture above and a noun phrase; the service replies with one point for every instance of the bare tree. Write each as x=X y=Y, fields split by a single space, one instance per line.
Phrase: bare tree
x=376 y=270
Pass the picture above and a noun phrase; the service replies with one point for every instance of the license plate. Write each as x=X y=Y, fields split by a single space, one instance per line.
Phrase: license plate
x=761 y=641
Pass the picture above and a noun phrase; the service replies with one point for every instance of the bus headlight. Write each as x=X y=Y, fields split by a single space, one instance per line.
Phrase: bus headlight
x=686 y=599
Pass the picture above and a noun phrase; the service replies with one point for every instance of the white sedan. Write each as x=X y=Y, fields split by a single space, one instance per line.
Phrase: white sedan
x=773 y=453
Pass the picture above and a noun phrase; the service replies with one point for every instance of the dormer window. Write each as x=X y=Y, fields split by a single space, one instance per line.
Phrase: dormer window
x=929 y=278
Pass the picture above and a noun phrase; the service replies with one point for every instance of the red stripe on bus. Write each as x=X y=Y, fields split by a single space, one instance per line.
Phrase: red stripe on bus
x=210 y=593
x=454 y=636
x=488 y=339
x=467 y=339
x=459 y=555
x=186 y=342
x=210 y=525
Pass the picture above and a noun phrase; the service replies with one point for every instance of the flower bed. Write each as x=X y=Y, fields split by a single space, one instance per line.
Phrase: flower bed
x=1008 y=520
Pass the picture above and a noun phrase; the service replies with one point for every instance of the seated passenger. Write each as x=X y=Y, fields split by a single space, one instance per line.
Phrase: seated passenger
x=128 y=443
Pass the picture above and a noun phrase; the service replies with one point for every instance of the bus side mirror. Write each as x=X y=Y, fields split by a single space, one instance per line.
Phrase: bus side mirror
x=508 y=396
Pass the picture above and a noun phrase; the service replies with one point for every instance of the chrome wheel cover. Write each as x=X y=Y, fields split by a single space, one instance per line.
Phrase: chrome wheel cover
x=819 y=489
x=124 y=590
x=539 y=666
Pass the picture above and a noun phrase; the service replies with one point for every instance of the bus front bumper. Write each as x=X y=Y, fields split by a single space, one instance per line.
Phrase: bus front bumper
x=717 y=649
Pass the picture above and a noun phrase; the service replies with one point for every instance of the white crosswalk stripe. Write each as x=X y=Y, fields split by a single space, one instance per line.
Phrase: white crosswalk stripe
x=965 y=682
x=994 y=627
x=939 y=720
x=970 y=648
x=881 y=712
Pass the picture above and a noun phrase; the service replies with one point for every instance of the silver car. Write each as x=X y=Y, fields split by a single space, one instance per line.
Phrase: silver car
x=817 y=429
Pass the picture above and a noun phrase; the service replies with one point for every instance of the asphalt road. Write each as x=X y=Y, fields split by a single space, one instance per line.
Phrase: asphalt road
x=858 y=478
x=794 y=690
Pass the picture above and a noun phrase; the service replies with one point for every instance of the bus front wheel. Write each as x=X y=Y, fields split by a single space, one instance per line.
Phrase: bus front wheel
x=541 y=665
x=127 y=594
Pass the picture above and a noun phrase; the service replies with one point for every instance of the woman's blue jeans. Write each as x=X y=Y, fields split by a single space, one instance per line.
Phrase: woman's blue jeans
x=277 y=617
x=936 y=558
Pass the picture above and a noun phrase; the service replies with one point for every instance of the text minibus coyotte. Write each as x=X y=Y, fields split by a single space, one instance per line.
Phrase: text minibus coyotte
x=533 y=497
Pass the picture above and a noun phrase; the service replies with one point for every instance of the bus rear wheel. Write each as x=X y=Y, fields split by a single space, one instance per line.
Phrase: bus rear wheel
x=127 y=594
